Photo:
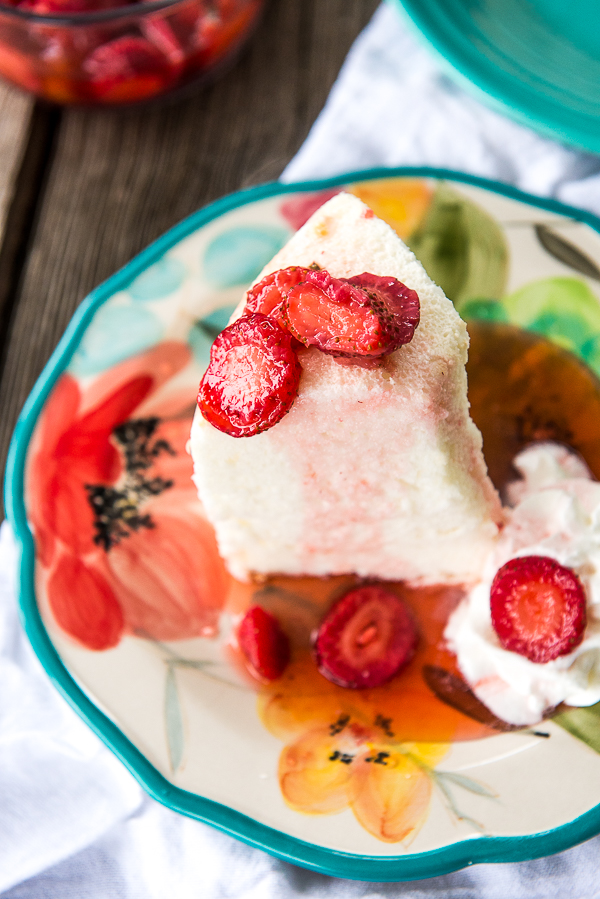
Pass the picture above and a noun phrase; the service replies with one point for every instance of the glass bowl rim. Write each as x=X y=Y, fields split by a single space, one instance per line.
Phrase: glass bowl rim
x=91 y=17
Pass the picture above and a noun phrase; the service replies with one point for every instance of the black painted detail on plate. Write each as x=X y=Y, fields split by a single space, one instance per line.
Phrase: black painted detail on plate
x=566 y=252
x=385 y=724
x=117 y=512
x=344 y=757
x=338 y=726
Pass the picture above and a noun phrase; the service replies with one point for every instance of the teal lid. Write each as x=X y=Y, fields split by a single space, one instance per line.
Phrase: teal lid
x=537 y=60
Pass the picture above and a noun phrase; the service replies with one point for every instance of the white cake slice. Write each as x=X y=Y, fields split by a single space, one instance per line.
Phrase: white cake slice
x=375 y=472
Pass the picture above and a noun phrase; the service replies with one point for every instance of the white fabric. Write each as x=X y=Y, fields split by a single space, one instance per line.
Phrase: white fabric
x=392 y=105
x=73 y=823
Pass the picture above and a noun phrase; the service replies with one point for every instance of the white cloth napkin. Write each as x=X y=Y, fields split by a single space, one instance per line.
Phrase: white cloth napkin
x=392 y=105
x=73 y=823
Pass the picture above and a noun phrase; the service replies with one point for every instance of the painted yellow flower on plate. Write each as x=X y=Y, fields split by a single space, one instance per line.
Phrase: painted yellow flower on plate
x=387 y=785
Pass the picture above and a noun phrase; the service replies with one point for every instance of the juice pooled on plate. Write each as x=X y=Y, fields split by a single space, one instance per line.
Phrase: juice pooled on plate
x=337 y=461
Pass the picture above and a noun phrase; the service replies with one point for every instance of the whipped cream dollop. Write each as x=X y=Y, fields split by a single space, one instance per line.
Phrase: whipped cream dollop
x=555 y=512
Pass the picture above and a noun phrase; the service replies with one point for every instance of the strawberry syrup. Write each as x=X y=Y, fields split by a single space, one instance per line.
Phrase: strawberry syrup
x=522 y=388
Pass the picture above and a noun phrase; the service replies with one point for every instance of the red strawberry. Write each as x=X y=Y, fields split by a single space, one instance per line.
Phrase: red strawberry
x=126 y=69
x=264 y=644
x=343 y=318
x=538 y=608
x=366 y=638
x=396 y=306
x=18 y=67
x=269 y=294
x=160 y=33
x=252 y=379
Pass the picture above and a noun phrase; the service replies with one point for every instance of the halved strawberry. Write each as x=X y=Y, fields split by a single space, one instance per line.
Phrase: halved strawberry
x=366 y=638
x=127 y=68
x=269 y=294
x=538 y=608
x=252 y=378
x=344 y=318
x=263 y=643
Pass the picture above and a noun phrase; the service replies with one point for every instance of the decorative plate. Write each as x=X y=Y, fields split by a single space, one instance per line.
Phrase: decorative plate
x=123 y=595
x=538 y=60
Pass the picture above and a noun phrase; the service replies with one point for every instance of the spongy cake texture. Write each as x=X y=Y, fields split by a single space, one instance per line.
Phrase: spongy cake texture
x=378 y=471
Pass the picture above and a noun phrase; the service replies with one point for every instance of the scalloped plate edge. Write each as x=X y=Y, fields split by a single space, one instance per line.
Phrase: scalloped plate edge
x=325 y=861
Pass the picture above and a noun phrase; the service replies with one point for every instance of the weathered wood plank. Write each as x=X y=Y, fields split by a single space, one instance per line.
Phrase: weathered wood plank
x=28 y=159
x=15 y=114
x=20 y=167
x=118 y=180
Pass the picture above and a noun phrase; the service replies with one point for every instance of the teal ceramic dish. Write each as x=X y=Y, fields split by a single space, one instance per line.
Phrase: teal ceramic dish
x=113 y=546
x=538 y=60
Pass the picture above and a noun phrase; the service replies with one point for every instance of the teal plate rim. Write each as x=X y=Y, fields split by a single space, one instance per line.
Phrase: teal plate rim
x=413 y=866
x=500 y=90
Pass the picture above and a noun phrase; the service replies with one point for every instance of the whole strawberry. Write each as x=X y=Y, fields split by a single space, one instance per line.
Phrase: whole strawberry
x=538 y=608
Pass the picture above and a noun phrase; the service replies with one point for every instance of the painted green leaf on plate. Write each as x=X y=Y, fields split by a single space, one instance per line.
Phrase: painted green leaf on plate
x=462 y=248
x=563 y=309
x=467 y=783
x=583 y=723
x=484 y=310
x=173 y=719
x=566 y=252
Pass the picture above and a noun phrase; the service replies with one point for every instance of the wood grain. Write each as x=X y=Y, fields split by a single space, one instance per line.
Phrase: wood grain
x=119 y=180
x=22 y=201
x=15 y=115
x=20 y=167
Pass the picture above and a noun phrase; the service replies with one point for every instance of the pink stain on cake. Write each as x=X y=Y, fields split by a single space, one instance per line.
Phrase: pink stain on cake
x=337 y=494
x=374 y=470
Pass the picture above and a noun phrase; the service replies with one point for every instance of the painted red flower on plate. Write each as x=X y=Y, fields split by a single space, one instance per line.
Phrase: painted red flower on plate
x=121 y=542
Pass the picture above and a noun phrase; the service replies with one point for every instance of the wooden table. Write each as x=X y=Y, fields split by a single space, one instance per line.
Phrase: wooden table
x=82 y=191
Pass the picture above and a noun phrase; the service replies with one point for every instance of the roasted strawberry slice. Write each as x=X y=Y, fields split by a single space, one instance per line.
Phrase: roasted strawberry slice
x=126 y=69
x=268 y=296
x=343 y=318
x=264 y=644
x=366 y=638
x=252 y=378
x=159 y=32
x=538 y=608
x=396 y=306
x=334 y=316
x=17 y=67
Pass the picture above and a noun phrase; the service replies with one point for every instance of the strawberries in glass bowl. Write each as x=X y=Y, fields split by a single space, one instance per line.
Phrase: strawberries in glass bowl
x=108 y=52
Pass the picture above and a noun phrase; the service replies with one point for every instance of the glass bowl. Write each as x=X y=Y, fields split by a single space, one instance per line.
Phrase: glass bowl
x=119 y=55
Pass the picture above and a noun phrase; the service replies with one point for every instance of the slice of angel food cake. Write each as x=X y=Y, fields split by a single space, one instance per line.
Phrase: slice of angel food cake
x=333 y=436
x=344 y=372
